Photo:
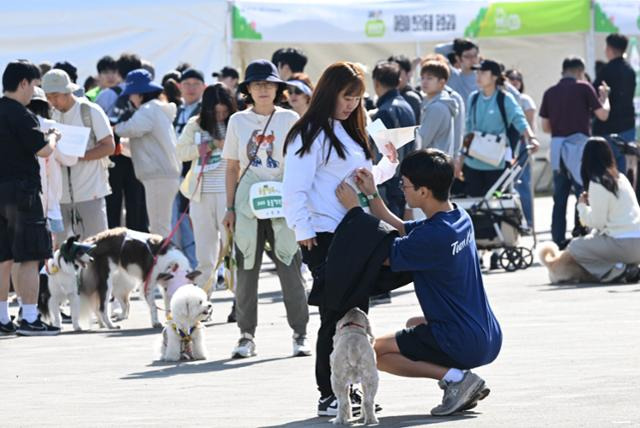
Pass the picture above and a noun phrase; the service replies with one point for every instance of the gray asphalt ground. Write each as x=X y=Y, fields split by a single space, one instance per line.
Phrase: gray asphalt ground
x=570 y=358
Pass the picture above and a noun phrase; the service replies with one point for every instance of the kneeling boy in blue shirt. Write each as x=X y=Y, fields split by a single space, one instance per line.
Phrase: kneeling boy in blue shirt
x=458 y=330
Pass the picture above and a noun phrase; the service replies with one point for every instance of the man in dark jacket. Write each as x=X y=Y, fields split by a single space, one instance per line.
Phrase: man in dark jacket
x=409 y=94
x=621 y=79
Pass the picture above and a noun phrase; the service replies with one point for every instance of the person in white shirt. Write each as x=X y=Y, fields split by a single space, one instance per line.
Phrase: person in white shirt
x=253 y=149
x=323 y=149
x=85 y=184
x=611 y=252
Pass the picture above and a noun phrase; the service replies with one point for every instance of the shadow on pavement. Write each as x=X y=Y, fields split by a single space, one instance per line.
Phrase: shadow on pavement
x=187 y=367
x=390 y=421
x=562 y=287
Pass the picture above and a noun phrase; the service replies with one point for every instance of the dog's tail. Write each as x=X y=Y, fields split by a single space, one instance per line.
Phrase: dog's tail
x=548 y=252
x=43 y=296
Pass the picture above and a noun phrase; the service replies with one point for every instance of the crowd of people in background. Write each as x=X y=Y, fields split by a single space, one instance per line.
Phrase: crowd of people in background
x=158 y=150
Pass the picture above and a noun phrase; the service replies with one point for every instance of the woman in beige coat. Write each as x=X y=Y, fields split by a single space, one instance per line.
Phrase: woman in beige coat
x=203 y=137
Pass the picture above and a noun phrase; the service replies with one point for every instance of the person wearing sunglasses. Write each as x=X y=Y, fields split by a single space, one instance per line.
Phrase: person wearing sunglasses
x=300 y=91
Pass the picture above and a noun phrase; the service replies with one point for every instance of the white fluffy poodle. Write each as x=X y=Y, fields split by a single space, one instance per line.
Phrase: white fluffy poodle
x=183 y=334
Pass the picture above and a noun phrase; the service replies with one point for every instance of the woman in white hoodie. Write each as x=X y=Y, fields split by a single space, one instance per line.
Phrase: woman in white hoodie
x=325 y=147
x=152 y=140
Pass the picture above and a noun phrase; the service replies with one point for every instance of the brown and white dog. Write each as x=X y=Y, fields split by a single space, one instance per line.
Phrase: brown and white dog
x=562 y=266
x=124 y=259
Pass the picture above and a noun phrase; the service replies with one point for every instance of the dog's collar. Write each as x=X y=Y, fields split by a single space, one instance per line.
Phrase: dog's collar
x=354 y=324
x=185 y=335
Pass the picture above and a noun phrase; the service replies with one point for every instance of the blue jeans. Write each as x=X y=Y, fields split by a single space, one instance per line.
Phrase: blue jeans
x=621 y=162
x=562 y=186
x=184 y=238
x=523 y=187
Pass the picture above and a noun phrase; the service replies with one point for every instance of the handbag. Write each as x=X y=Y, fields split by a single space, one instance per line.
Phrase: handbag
x=488 y=148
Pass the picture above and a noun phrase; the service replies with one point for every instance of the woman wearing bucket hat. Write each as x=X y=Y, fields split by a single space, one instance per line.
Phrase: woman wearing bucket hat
x=253 y=149
x=153 y=147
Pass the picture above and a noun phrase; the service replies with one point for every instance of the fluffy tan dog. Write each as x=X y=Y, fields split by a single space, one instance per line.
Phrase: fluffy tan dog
x=562 y=266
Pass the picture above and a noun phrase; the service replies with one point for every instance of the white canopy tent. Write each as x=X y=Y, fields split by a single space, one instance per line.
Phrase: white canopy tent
x=163 y=32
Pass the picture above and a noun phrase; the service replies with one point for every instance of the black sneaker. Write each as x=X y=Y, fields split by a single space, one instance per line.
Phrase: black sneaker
x=7 y=329
x=66 y=319
x=495 y=262
x=328 y=406
x=36 y=328
x=356 y=400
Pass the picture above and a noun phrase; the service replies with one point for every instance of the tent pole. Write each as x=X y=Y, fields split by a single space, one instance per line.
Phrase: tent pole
x=590 y=39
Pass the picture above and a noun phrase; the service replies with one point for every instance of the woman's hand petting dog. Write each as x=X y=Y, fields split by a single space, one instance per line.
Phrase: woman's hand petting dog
x=347 y=196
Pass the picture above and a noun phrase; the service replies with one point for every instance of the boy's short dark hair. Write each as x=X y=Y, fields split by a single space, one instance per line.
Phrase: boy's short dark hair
x=387 y=74
x=69 y=68
x=573 y=63
x=619 y=42
x=462 y=45
x=430 y=168
x=16 y=72
x=435 y=68
x=128 y=62
x=403 y=61
x=107 y=63
x=294 y=58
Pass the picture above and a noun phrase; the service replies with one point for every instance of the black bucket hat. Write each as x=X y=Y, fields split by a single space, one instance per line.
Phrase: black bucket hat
x=260 y=70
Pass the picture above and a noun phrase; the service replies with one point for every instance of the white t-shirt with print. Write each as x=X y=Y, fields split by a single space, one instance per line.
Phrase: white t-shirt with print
x=244 y=137
x=89 y=179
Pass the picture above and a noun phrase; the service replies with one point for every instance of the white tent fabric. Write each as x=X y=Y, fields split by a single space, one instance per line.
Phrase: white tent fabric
x=161 y=31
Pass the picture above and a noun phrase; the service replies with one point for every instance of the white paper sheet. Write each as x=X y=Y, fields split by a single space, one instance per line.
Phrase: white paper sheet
x=396 y=136
x=74 y=139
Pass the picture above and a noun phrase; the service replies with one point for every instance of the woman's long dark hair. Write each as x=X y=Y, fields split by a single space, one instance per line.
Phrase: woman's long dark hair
x=213 y=95
x=598 y=165
x=338 y=77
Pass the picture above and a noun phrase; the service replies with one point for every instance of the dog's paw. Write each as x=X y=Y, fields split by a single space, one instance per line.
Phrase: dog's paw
x=339 y=421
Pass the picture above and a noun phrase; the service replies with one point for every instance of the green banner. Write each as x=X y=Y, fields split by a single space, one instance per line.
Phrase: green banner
x=530 y=18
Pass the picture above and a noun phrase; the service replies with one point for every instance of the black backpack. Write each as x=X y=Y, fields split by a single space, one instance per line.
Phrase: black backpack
x=513 y=135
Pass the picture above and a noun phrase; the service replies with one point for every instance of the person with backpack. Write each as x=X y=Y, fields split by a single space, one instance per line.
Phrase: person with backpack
x=496 y=113
x=85 y=184
x=153 y=147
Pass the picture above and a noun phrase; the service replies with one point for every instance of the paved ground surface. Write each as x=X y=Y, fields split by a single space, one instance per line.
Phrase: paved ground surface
x=571 y=357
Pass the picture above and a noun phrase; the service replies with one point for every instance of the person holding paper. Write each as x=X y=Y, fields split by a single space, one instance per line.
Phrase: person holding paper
x=153 y=147
x=85 y=184
x=325 y=147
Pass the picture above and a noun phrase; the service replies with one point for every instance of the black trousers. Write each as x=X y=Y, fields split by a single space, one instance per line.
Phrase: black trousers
x=478 y=182
x=124 y=183
x=315 y=260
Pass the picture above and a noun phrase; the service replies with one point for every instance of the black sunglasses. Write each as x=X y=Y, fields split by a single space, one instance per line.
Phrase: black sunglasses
x=294 y=90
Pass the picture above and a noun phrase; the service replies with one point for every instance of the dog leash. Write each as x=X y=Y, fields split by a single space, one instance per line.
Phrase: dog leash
x=168 y=239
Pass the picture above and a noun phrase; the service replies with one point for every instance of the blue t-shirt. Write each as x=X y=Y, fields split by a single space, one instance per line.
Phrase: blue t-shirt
x=441 y=253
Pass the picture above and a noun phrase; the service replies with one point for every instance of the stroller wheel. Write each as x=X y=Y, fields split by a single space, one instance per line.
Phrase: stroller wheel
x=511 y=259
x=526 y=257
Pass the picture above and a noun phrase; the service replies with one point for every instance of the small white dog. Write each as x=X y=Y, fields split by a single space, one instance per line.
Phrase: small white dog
x=183 y=334
x=353 y=360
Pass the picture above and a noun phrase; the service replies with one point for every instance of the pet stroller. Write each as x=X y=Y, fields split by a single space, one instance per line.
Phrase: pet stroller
x=498 y=219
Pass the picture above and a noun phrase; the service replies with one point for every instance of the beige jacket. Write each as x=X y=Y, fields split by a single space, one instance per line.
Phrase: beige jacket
x=152 y=140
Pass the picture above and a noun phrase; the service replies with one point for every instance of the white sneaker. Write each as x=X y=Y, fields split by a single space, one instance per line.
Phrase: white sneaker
x=300 y=346
x=245 y=348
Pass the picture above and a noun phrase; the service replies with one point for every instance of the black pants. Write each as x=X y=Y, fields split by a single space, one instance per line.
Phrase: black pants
x=315 y=260
x=124 y=183
x=478 y=182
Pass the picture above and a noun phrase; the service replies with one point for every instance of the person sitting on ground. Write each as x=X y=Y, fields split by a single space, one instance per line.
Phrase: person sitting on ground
x=458 y=330
x=611 y=252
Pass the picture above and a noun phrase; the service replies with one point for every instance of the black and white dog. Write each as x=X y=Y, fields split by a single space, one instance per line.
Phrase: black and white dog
x=124 y=259
x=59 y=282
